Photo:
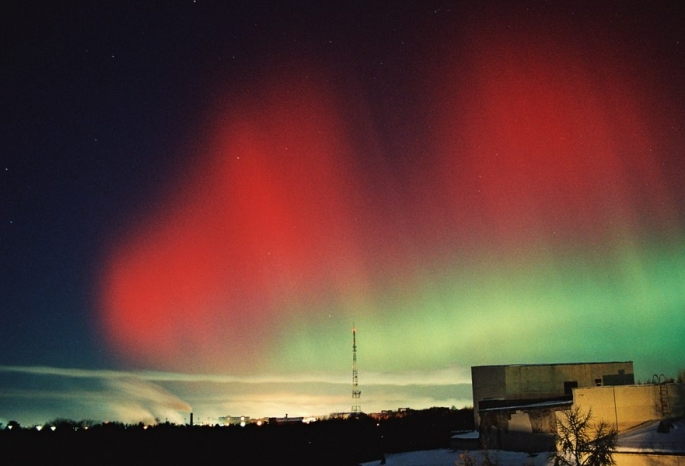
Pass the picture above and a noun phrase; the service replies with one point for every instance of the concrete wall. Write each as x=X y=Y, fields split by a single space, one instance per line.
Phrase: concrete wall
x=629 y=405
x=486 y=382
x=547 y=380
x=646 y=459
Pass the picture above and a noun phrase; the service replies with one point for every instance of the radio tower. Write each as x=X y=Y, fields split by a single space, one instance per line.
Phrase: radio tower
x=356 y=393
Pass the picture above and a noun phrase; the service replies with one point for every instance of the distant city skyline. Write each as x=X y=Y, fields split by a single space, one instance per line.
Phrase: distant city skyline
x=132 y=397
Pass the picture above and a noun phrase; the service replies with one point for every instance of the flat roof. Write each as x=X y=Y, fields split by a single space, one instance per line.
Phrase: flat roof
x=556 y=364
x=540 y=404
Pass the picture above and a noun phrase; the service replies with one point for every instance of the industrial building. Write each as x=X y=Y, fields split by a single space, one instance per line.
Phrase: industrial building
x=506 y=385
x=516 y=407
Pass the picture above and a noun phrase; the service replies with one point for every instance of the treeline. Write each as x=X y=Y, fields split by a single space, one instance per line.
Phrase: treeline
x=329 y=442
x=423 y=429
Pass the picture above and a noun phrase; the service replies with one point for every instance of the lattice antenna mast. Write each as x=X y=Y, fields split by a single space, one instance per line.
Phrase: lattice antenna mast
x=356 y=393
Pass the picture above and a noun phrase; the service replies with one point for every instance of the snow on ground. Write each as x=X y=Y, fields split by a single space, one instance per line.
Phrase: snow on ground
x=643 y=438
x=647 y=438
x=447 y=457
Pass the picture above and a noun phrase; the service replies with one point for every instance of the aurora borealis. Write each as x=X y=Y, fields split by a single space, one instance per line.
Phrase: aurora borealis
x=467 y=183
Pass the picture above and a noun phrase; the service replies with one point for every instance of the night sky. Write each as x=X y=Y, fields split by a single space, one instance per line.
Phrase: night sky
x=199 y=199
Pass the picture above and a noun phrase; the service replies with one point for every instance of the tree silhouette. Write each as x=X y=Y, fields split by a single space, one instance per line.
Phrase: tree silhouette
x=13 y=425
x=582 y=443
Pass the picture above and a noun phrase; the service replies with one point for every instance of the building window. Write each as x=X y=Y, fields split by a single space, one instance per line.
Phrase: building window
x=598 y=382
x=569 y=386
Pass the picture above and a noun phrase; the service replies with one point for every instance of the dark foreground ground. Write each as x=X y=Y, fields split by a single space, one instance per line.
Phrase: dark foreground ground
x=331 y=442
